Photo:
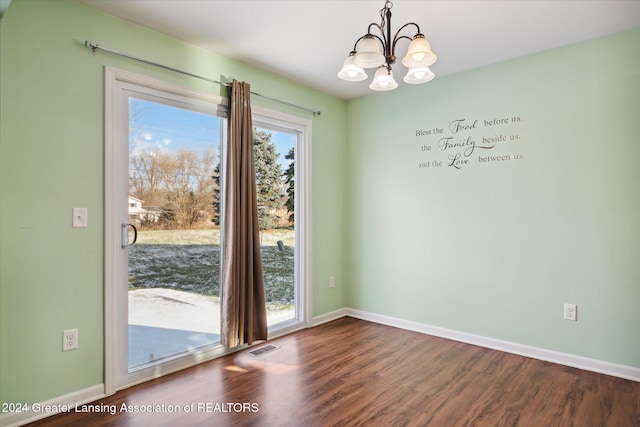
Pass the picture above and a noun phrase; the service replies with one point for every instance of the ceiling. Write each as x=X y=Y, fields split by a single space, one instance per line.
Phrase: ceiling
x=307 y=40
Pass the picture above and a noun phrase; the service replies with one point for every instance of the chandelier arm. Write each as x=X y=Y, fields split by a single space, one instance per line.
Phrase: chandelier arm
x=373 y=24
x=405 y=26
x=395 y=40
x=384 y=38
x=356 y=44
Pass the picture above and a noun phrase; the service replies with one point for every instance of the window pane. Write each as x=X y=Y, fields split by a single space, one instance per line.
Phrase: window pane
x=174 y=267
x=275 y=161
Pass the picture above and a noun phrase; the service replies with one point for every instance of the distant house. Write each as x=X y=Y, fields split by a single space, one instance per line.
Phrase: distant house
x=139 y=213
x=135 y=206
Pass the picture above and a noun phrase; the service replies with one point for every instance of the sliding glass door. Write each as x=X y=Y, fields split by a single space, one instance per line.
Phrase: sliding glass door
x=164 y=197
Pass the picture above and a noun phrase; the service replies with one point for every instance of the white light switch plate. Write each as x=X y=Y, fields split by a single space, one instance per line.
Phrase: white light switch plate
x=79 y=217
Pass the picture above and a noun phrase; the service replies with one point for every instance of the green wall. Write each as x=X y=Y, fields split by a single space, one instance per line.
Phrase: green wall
x=52 y=157
x=496 y=248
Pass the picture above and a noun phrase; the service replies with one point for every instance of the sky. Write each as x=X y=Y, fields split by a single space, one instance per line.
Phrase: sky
x=158 y=127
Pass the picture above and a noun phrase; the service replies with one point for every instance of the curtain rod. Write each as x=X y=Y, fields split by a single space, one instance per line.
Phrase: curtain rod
x=95 y=47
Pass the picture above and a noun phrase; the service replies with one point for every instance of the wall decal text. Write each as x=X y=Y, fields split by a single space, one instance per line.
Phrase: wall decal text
x=468 y=141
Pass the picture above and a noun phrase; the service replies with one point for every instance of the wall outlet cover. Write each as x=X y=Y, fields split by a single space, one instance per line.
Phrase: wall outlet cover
x=571 y=312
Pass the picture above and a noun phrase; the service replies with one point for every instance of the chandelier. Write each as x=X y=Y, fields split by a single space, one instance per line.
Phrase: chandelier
x=372 y=51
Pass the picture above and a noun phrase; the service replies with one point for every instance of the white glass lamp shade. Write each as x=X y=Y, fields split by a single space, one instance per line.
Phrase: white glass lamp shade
x=383 y=80
x=419 y=53
x=351 y=72
x=368 y=53
x=418 y=75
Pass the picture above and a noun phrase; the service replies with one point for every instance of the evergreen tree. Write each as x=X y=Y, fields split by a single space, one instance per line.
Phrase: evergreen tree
x=289 y=180
x=216 y=195
x=268 y=179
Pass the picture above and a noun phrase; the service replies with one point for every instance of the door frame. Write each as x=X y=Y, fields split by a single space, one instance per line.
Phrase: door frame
x=115 y=79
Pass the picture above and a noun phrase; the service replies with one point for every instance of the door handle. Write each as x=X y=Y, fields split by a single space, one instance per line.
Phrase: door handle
x=125 y=235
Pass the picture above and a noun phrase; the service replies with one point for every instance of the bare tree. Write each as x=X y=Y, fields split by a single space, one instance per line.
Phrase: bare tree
x=180 y=183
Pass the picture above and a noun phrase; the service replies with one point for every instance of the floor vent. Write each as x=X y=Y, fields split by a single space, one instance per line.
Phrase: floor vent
x=262 y=350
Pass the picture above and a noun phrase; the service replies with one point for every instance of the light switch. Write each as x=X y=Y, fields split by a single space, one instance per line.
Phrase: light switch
x=79 y=217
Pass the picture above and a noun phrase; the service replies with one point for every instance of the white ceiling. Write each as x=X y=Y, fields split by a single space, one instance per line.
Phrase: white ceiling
x=307 y=40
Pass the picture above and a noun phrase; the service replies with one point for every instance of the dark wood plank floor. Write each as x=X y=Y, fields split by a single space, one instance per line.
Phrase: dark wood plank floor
x=351 y=372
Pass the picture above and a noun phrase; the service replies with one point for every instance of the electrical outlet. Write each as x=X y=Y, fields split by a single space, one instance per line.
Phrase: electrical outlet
x=70 y=340
x=332 y=281
x=570 y=312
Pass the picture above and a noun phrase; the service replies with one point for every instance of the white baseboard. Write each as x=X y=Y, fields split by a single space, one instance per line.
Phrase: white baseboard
x=328 y=317
x=594 y=365
x=47 y=408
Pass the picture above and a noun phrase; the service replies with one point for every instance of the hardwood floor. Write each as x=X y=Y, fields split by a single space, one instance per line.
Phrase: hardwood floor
x=351 y=372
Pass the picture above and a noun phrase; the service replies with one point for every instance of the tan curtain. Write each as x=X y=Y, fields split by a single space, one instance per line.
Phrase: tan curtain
x=243 y=308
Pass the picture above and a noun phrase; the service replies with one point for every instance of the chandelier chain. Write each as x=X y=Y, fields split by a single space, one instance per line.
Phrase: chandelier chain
x=387 y=5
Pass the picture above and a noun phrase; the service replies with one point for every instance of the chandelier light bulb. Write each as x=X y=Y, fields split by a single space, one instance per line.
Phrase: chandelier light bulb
x=419 y=53
x=350 y=71
x=418 y=75
x=383 y=80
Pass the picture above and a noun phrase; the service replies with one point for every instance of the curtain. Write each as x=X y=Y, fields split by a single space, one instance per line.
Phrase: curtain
x=243 y=307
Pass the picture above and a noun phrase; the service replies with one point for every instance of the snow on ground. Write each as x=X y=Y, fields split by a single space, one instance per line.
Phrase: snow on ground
x=173 y=309
x=166 y=322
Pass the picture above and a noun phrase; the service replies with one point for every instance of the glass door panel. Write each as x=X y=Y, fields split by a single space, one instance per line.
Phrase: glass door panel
x=173 y=203
x=275 y=176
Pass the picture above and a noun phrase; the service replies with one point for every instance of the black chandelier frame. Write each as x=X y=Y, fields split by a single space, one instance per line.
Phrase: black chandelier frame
x=385 y=25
